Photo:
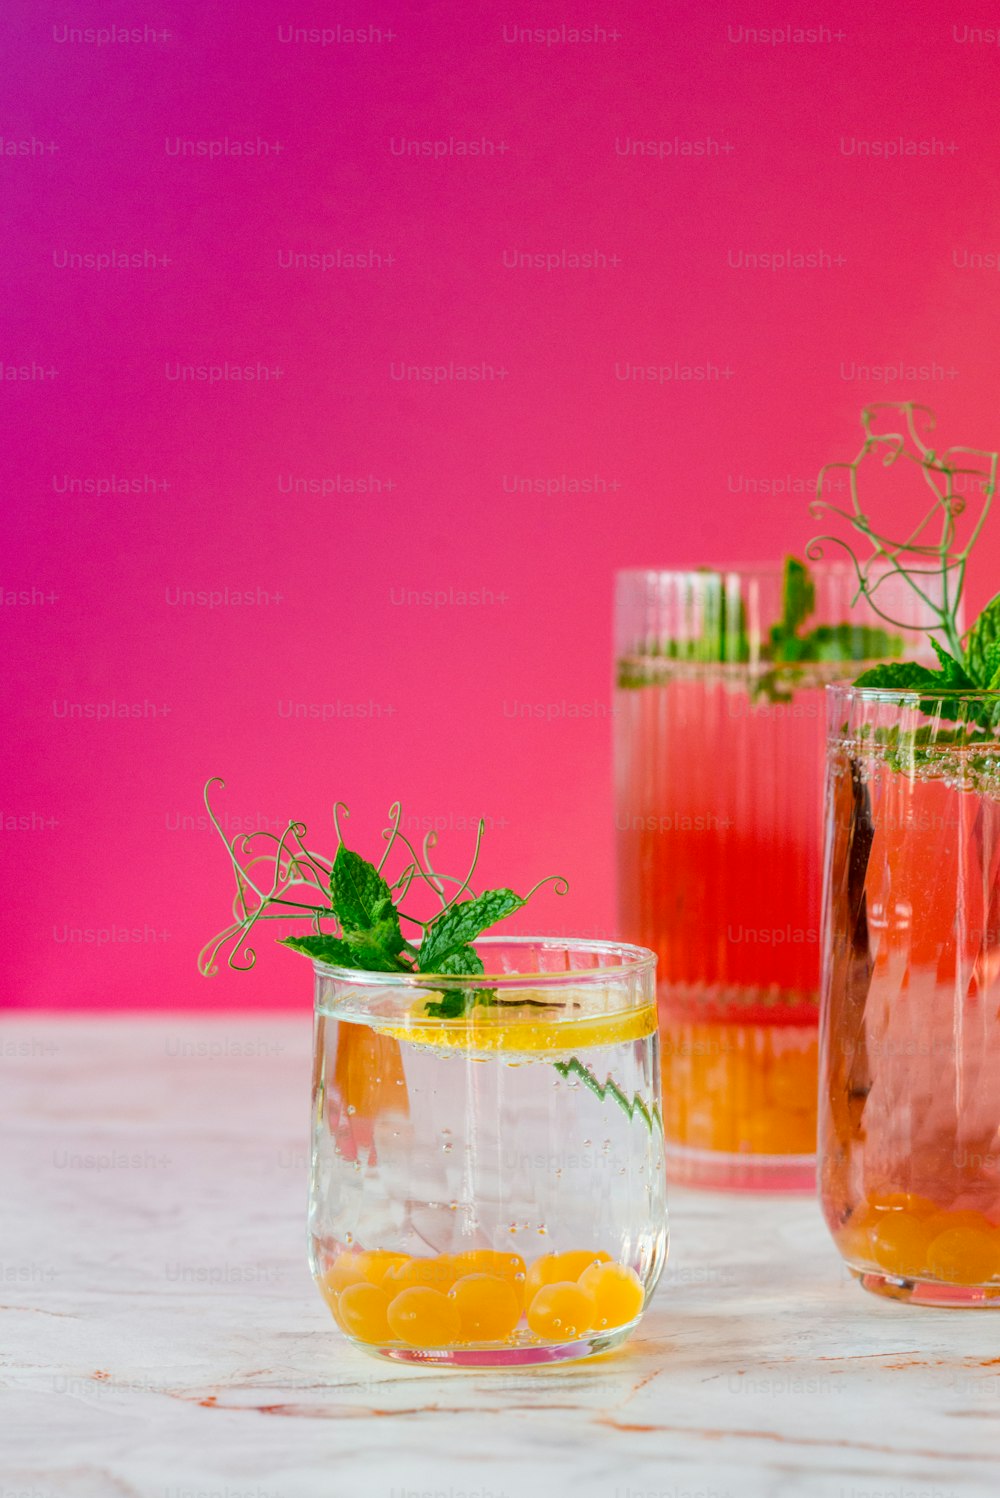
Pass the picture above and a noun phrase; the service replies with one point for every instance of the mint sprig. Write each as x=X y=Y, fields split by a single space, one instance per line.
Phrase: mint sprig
x=976 y=670
x=361 y=902
x=372 y=940
x=464 y=962
x=825 y=642
x=904 y=676
x=798 y=597
x=982 y=647
x=364 y=908
x=359 y=895
x=724 y=638
x=321 y=947
x=956 y=679
x=457 y=926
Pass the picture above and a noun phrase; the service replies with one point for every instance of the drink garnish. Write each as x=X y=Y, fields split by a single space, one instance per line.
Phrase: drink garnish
x=724 y=638
x=610 y=1088
x=966 y=663
x=362 y=905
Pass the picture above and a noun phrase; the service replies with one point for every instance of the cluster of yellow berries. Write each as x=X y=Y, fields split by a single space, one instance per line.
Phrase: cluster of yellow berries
x=740 y=1089
x=454 y=1300
x=910 y=1237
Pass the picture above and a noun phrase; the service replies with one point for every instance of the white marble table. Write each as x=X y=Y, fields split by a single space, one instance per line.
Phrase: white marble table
x=160 y=1335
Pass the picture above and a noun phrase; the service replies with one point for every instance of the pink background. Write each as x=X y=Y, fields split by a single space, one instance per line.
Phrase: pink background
x=110 y=892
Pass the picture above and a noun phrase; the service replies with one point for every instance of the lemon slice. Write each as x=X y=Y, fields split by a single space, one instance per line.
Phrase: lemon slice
x=521 y=1028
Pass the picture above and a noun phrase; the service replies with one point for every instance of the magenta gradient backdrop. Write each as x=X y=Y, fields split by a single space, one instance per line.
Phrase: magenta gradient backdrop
x=501 y=706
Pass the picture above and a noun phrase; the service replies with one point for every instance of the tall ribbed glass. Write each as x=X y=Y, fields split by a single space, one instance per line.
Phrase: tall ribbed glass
x=719 y=752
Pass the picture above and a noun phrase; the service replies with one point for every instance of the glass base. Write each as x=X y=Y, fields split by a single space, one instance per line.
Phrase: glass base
x=723 y=1172
x=514 y=1355
x=928 y=1292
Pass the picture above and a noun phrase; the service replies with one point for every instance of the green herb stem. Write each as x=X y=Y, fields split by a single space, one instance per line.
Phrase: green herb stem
x=610 y=1088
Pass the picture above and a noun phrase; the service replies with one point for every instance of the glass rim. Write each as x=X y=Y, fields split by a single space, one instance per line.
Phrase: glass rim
x=916 y=695
x=767 y=568
x=632 y=960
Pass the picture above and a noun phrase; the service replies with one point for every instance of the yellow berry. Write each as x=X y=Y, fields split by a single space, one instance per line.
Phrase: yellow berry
x=617 y=1292
x=376 y=1264
x=920 y=1206
x=509 y=1267
x=964 y=1255
x=551 y=1268
x=854 y=1236
x=346 y=1269
x=898 y=1243
x=487 y=1306
x=424 y=1317
x=941 y=1221
x=361 y=1311
x=561 y=1312
x=437 y=1274
x=570 y=1265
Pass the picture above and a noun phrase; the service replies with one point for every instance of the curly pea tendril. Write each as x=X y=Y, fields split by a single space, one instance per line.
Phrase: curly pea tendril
x=921 y=554
x=279 y=877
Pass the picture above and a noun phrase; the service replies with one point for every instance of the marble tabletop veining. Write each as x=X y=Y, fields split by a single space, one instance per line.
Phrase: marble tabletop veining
x=160 y=1334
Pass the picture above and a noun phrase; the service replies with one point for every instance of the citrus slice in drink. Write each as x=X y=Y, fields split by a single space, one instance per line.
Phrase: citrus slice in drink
x=527 y=1026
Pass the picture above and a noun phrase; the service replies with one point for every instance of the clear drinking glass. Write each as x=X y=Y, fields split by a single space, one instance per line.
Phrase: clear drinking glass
x=489 y=1190
x=719 y=753
x=909 y=1128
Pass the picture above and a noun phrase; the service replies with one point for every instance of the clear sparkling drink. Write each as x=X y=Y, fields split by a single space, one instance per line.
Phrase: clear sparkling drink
x=490 y=1189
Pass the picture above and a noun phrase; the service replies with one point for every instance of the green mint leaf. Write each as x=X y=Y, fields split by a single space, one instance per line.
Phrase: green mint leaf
x=465 y=960
x=359 y=895
x=454 y=1001
x=784 y=647
x=374 y=951
x=991 y=666
x=849 y=642
x=798 y=595
x=834 y=642
x=798 y=599
x=378 y=948
x=953 y=673
x=323 y=948
x=461 y=924
x=453 y=1004
x=906 y=676
x=980 y=660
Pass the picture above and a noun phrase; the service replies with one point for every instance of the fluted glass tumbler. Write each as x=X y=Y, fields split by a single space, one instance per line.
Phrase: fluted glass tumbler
x=909 y=1124
x=488 y=1185
x=719 y=753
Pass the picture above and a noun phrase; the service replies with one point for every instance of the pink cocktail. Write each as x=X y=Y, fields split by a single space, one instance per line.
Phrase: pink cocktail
x=719 y=754
x=910 y=1076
